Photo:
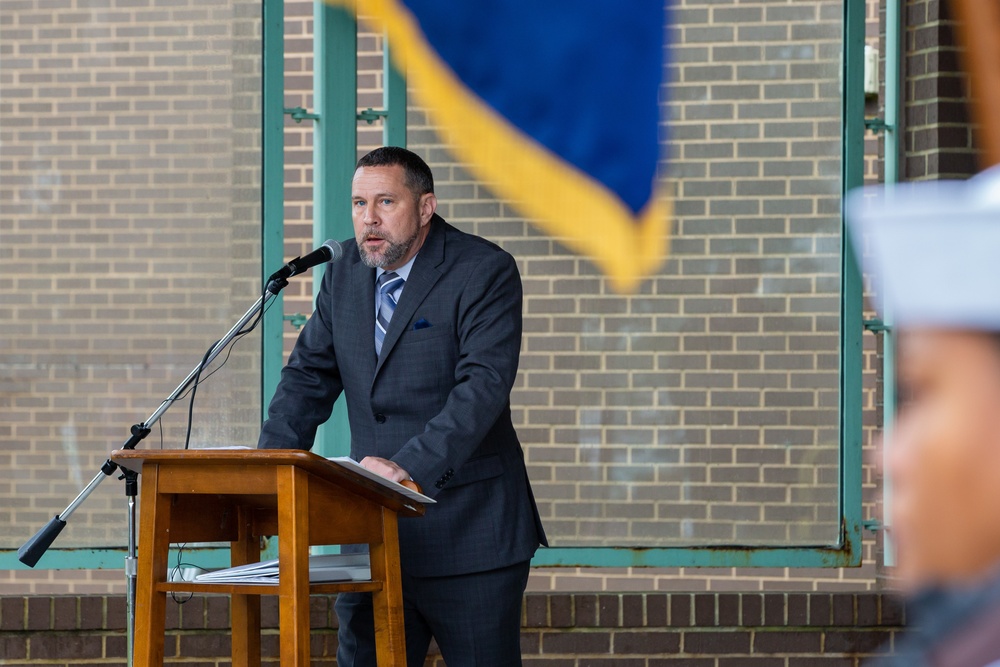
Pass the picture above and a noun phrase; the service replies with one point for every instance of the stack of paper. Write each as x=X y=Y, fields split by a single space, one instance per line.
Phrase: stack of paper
x=351 y=464
x=322 y=568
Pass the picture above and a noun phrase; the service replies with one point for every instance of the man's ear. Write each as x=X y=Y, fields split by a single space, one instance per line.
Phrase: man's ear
x=428 y=205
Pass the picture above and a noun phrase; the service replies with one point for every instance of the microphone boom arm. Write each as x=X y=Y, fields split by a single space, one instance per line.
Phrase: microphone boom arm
x=32 y=550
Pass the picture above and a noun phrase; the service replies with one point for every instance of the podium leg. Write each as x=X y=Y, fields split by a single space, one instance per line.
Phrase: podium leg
x=293 y=566
x=154 y=547
x=387 y=603
x=245 y=608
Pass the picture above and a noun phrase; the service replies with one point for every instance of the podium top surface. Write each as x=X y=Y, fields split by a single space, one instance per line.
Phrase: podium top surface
x=382 y=491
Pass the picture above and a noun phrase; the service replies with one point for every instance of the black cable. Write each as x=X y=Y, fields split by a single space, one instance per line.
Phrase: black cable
x=194 y=391
x=197 y=377
x=175 y=574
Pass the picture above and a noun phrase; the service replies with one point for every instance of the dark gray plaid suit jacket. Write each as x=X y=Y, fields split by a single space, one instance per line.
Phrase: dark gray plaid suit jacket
x=436 y=401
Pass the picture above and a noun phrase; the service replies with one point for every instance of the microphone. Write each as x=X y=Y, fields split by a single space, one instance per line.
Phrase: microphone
x=330 y=251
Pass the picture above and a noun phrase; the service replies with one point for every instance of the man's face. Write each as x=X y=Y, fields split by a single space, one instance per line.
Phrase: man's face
x=944 y=459
x=390 y=221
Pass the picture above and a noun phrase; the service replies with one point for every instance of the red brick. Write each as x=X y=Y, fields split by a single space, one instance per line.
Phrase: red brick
x=632 y=611
x=190 y=611
x=12 y=613
x=561 y=610
x=536 y=611
x=729 y=610
x=680 y=610
x=53 y=647
x=585 y=607
x=646 y=643
x=820 y=609
x=843 y=609
x=204 y=645
x=751 y=609
x=39 y=613
x=319 y=611
x=115 y=646
x=856 y=641
x=13 y=647
x=269 y=611
x=91 y=613
x=116 y=613
x=656 y=610
x=798 y=641
x=704 y=610
x=217 y=611
x=774 y=610
x=608 y=606
x=576 y=642
x=531 y=643
x=797 y=609
x=717 y=643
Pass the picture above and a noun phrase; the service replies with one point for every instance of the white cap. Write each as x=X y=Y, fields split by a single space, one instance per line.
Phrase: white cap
x=932 y=249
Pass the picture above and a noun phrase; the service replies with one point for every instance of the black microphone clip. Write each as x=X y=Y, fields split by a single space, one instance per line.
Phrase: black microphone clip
x=330 y=251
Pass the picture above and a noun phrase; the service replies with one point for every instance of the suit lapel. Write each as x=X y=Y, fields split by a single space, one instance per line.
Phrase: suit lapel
x=423 y=276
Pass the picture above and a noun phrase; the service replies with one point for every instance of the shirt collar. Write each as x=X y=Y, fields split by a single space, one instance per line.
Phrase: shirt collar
x=403 y=271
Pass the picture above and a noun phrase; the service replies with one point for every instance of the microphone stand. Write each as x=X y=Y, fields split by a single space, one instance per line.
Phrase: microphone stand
x=32 y=550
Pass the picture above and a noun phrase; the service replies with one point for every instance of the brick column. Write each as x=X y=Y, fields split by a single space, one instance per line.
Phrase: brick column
x=937 y=130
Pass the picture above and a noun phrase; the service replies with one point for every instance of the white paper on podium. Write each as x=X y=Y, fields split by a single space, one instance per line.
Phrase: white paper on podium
x=322 y=568
x=351 y=464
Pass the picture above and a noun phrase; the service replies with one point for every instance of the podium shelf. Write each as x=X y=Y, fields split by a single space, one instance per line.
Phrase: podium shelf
x=267 y=589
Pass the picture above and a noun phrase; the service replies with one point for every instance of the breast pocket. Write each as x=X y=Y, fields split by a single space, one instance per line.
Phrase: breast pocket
x=423 y=332
x=429 y=356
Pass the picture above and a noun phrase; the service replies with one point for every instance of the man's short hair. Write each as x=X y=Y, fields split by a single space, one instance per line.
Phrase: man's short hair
x=419 y=178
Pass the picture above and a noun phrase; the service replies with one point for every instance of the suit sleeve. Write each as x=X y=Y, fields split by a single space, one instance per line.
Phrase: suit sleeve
x=489 y=340
x=310 y=384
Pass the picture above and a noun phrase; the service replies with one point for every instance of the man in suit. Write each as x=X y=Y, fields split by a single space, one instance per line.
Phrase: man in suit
x=419 y=326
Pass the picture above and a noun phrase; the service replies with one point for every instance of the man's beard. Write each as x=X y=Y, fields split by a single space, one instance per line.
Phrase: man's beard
x=392 y=254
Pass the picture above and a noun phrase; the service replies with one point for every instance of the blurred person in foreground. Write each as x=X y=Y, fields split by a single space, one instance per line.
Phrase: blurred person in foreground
x=933 y=250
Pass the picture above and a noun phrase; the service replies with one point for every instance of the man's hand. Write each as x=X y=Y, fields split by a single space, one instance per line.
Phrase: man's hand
x=386 y=468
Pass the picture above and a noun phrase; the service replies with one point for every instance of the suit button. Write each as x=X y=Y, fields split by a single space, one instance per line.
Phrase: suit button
x=379 y=417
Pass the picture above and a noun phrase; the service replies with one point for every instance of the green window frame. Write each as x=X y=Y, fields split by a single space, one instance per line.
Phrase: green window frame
x=335 y=143
x=335 y=95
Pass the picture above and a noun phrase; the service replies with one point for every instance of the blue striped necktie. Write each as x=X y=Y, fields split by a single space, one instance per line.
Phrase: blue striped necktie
x=388 y=283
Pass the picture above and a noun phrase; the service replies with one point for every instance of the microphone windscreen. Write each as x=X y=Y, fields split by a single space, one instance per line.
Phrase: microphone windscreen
x=336 y=250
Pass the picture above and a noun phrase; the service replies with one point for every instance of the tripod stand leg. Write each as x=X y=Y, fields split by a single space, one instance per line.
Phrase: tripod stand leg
x=131 y=490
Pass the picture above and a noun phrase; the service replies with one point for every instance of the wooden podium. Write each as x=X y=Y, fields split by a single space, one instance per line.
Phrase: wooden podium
x=240 y=495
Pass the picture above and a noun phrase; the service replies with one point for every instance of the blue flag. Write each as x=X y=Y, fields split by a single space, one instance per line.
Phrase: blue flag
x=555 y=105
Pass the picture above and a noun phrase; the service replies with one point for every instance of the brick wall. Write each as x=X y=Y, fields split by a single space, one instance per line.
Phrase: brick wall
x=129 y=240
x=703 y=408
x=561 y=630
x=708 y=399
x=939 y=140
